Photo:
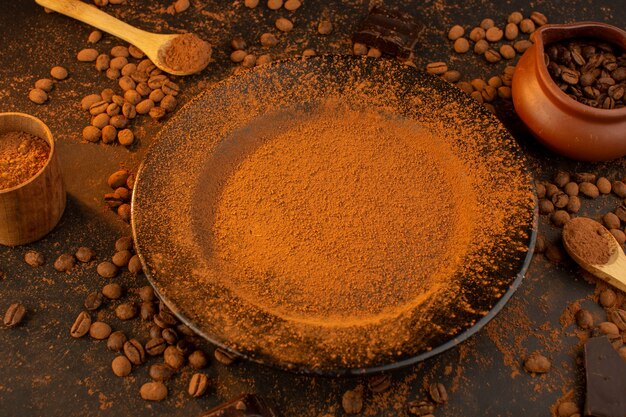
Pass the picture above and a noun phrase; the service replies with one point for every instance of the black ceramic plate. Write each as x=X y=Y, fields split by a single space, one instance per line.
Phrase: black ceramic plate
x=196 y=152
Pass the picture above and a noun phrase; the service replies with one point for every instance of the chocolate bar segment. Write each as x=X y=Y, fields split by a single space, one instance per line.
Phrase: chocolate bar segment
x=246 y=405
x=606 y=379
x=390 y=31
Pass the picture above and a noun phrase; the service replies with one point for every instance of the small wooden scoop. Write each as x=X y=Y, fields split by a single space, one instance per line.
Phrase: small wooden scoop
x=614 y=270
x=152 y=44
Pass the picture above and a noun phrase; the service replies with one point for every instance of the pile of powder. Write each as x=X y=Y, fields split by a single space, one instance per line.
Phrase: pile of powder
x=186 y=53
x=588 y=240
x=22 y=155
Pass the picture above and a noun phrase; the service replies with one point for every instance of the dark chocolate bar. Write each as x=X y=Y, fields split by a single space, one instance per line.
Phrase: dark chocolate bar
x=390 y=31
x=606 y=379
x=246 y=405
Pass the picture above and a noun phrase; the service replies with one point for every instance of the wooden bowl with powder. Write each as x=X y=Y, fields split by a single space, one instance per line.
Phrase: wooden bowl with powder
x=32 y=193
x=335 y=215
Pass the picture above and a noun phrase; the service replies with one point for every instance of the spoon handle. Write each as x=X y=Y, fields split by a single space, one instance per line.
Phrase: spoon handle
x=614 y=273
x=95 y=17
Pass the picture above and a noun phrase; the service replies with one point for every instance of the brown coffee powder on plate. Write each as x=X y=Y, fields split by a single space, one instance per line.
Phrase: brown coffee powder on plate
x=587 y=239
x=22 y=155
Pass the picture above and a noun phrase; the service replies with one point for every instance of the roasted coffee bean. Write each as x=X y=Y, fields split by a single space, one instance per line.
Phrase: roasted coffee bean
x=14 y=314
x=608 y=297
x=125 y=242
x=560 y=200
x=573 y=205
x=185 y=347
x=161 y=372
x=437 y=68
x=107 y=269
x=121 y=366
x=112 y=291
x=134 y=351
x=155 y=331
x=481 y=47
x=461 y=46
x=185 y=330
x=589 y=190
x=197 y=359
x=121 y=258
x=438 y=393
x=126 y=311
x=420 y=408
x=455 y=32
x=146 y=293
x=116 y=341
x=99 y=330
x=165 y=319
x=197 y=385
x=155 y=347
x=584 y=319
x=608 y=328
x=537 y=363
x=64 y=263
x=147 y=311
x=618 y=317
x=93 y=301
x=84 y=254
x=169 y=335
x=585 y=177
x=153 y=391
x=546 y=206
x=134 y=265
x=34 y=258
x=352 y=401
x=224 y=357
x=620 y=212
x=611 y=221
x=560 y=217
x=618 y=235
x=81 y=325
x=491 y=55
x=173 y=357
x=379 y=383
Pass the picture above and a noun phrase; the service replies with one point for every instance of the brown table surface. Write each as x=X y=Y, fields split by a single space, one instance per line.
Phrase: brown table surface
x=44 y=372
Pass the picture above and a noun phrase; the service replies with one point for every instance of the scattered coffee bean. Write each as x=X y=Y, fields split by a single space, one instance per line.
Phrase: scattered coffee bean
x=112 y=291
x=37 y=96
x=437 y=68
x=284 y=25
x=618 y=235
x=224 y=357
x=93 y=301
x=573 y=205
x=14 y=315
x=538 y=18
x=325 y=27
x=173 y=357
x=146 y=293
x=619 y=188
x=121 y=366
x=116 y=341
x=515 y=17
x=537 y=363
x=197 y=385
x=527 y=26
x=161 y=372
x=134 y=265
x=121 y=258
x=584 y=319
x=155 y=347
x=292 y=5
x=125 y=242
x=59 y=73
x=99 y=330
x=352 y=401
x=34 y=258
x=618 y=317
x=511 y=31
x=84 y=254
x=87 y=55
x=608 y=328
x=153 y=391
x=589 y=190
x=379 y=383
x=169 y=335
x=611 y=221
x=438 y=393
x=507 y=52
x=492 y=56
x=134 y=351
x=494 y=34
x=421 y=408
x=107 y=270
x=477 y=34
x=487 y=23
x=147 y=311
x=81 y=325
x=560 y=217
x=455 y=32
x=126 y=311
x=64 y=263
x=522 y=46
x=197 y=359
x=461 y=46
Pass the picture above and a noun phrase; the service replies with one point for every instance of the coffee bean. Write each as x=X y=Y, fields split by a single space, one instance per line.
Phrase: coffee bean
x=379 y=383
x=87 y=55
x=126 y=311
x=511 y=31
x=59 y=73
x=185 y=330
x=421 y=408
x=134 y=351
x=492 y=56
x=618 y=235
x=34 y=258
x=487 y=23
x=94 y=36
x=64 y=263
x=81 y=325
x=325 y=27
x=224 y=357
x=93 y=301
x=573 y=205
x=146 y=293
x=494 y=34
x=153 y=391
x=173 y=357
x=619 y=188
x=121 y=366
x=438 y=393
x=165 y=319
x=571 y=189
x=522 y=46
x=161 y=372
x=538 y=18
x=608 y=328
x=481 y=47
x=147 y=311
x=546 y=206
x=120 y=259
x=99 y=330
x=477 y=34
x=618 y=317
x=14 y=314
x=112 y=291
x=560 y=200
x=537 y=363
x=515 y=17
x=134 y=265
x=527 y=26
x=589 y=190
x=37 y=96
x=155 y=347
x=169 y=102
x=197 y=385
x=560 y=217
x=116 y=341
x=84 y=254
x=437 y=68
x=584 y=319
x=169 y=335
x=611 y=221
x=292 y=5
x=461 y=46
x=185 y=347
x=197 y=359
x=352 y=401
x=283 y=24
x=456 y=32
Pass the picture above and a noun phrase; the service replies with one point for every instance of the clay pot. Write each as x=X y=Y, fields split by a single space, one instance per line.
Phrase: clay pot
x=30 y=210
x=561 y=123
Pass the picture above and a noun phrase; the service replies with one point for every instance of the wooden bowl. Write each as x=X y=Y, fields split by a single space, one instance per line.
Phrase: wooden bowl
x=570 y=128
x=30 y=210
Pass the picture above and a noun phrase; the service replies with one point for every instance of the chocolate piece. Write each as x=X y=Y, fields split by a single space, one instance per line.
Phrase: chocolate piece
x=606 y=379
x=246 y=405
x=392 y=32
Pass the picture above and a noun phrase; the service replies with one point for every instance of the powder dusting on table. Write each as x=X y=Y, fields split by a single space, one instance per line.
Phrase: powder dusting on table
x=22 y=155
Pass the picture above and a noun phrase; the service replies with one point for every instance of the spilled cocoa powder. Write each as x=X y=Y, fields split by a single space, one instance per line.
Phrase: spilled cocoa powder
x=587 y=239
x=187 y=53
x=22 y=156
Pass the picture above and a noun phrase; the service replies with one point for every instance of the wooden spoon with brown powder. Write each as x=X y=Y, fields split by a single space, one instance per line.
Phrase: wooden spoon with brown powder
x=595 y=249
x=175 y=54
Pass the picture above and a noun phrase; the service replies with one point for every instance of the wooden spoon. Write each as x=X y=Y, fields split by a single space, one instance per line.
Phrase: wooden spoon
x=152 y=44
x=614 y=270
